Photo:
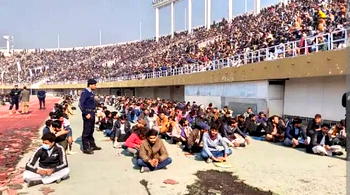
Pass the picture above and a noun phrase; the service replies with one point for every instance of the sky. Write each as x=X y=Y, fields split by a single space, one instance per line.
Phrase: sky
x=39 y=23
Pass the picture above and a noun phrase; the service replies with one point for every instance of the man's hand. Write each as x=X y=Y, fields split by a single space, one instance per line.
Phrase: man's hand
x=156 y=162
x=152 y=162
x=327 y=147
x=88 y=116
x=41 y=172
x=247 y=140
x=49 y=171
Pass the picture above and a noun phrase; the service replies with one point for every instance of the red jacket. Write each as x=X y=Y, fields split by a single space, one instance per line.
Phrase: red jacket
x=133 y=140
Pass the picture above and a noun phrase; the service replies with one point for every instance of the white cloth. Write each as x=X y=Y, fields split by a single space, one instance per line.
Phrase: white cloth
x=31 y=176
x=122 y=128
x=321 y=150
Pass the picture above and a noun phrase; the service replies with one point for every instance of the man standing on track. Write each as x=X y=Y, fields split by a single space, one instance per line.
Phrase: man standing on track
x=41 y=97
x=15 y=95
x=87 y=105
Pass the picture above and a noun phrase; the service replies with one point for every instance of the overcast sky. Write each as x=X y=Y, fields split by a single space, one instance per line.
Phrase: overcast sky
x=37 y=23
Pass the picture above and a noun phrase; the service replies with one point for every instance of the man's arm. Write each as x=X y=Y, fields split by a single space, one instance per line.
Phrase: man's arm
x=82 y=100
x=143 y=153
x=63 y=159
x=32 y=161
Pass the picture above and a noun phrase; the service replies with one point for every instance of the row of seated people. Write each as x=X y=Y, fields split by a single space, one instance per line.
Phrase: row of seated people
x=209 y=131
x=49 y=162
x=299 y=20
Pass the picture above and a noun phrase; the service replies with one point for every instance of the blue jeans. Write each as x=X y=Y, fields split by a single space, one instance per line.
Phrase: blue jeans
x=216 y=154
x=161 y=165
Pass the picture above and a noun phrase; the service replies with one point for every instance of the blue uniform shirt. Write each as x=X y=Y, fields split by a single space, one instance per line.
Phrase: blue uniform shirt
x=87 y=103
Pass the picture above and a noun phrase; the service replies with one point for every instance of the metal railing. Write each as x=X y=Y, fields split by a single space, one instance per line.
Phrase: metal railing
x=321 y=42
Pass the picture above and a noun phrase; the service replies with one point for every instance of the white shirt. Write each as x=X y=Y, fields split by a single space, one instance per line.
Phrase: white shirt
x=122 y=128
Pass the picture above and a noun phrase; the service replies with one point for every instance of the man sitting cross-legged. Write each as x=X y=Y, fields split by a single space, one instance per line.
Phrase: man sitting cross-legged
x=214 y=146
x=153 y=154
x=52 y=166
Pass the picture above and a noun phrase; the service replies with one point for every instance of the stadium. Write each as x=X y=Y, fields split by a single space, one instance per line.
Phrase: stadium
x=248 y=103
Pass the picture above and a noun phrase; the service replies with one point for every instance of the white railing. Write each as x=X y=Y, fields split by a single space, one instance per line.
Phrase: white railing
x=322 y=42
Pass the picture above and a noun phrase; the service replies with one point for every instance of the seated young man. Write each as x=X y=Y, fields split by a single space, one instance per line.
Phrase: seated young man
x=320 y=143
x=274 y=130
x=60 y=133
x=295 y=134
x=214 y=147
x=133 y=143
x=232 y=135
x=121 y=129
x=153 y=154
x=52 y=166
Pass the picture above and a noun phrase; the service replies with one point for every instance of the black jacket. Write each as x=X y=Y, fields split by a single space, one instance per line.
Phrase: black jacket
x=56 y=161
x=15 y=94
x=311 y=128
x=291 y=132
x=116 y=129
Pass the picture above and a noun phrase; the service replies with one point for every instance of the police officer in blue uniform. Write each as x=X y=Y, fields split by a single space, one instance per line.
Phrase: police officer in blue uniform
x=87 y=105
x=15 y=96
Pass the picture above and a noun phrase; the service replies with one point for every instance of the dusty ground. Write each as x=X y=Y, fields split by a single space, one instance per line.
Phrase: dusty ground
x=263 y=165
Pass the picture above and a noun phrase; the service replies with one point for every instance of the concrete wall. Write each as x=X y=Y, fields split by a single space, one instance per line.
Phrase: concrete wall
x=238 y=95
x=170 y=92
x=308 y=96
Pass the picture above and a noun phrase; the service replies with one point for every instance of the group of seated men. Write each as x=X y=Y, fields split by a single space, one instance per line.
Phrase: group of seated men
x=206 y=130
x=49 y=162
x=139 y=124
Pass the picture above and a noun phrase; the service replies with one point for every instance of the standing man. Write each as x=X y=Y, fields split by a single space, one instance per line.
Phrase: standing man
x=14 y=95
x=25 y=96
x=87 y=105
x=41 y=97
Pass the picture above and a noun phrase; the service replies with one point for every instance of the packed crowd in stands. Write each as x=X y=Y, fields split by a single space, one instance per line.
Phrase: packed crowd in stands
x=273 y=26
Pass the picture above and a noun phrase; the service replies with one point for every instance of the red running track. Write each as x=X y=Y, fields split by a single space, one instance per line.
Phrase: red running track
x=18 y=130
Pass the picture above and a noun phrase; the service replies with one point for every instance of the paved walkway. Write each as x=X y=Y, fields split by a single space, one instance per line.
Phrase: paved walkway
x=264 y=165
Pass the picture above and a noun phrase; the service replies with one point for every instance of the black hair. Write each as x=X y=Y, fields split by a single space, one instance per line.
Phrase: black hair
x=325 y=125
x=297 y=120
x=56 y=124
x=251 y=116
x=182 y=121
x=318 y=116
x=152 y=132
x=48 y=122
x=49 y=137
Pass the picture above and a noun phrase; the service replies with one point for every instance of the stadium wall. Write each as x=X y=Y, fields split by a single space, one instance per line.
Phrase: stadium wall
x=308 y=96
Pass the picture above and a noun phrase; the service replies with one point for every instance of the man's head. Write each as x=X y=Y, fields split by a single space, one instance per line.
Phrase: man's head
x=24 y=87
x=48 y=140
x=56 y=125
x=318 y=118
x=233 y=123
x=161 y=115
x=16 y=86
x=214 y=130
x=262 y=114
x=275 y=119
x=297 y=122
x=249 y=110
x=92 y=84
x=152 y=136
x=325 y=128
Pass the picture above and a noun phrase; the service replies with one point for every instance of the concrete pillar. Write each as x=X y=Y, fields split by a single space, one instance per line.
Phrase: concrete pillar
x=209 y=14
x=230 y=16
x=157 y=23
x=205 y=13
x=189 y=16
x=257 y=6
x=172 y=19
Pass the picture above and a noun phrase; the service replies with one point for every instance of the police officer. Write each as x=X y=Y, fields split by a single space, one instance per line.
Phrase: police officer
x=87 y=106
x=15 y=95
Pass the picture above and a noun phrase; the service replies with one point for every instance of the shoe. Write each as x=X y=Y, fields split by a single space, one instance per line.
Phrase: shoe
x=209 y=160
x=96 y=148
x=88 y=152
x=58 y=181
x=144 y=169
x=34 y=183
x=337 y=153
x=242 y=145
